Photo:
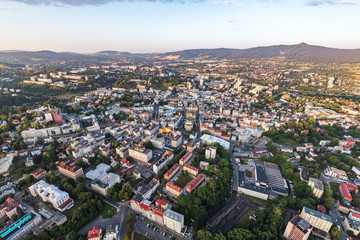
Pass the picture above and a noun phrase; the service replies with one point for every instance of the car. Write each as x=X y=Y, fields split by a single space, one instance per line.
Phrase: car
x=147 y=225
x=146 y=234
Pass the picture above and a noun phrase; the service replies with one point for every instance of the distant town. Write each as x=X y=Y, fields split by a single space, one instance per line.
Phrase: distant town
x=180 y=149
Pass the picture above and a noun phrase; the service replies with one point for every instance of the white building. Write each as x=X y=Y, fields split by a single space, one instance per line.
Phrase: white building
x=5 y=163
x=50 y=193
x=210 y=153
x=173 y=220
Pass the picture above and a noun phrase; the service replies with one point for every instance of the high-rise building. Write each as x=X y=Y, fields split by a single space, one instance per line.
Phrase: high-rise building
x=297 y=229
x=317 y=219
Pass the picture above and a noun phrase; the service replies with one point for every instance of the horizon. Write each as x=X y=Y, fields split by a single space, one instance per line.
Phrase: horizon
x=144 y=26
x=179 y=50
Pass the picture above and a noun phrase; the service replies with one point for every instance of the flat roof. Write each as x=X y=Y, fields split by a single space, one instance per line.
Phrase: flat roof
x=8 y=232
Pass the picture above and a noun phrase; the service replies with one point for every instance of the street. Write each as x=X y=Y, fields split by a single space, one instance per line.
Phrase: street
x=118 y=219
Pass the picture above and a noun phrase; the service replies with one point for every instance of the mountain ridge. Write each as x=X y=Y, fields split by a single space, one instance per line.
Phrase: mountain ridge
x=299 y=52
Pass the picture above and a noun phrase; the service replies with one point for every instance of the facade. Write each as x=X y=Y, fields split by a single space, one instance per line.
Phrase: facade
x=176 y=141
x=173 y=189
x=195 y=182
x=111 y=233
x=317 y=187
x=104 y=182
x=345 y=192
x=168 y=218
x=185 y=158
x=21 y=227
x=8 y=208
x=50 y=193
x=174 y=220
x=164 y=160
x=190 y=169
x=171 y=172
x=336 y=173
x=317 y=219
x=297 y=229
x=69 y=169
x=39 y=173
x=210 y=153
x=141 y=154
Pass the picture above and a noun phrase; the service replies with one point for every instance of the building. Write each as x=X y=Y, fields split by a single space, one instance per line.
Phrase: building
x=176 y=141
x=104 y=182
x=174 y=220
x=297 y=229
x=173 y=189
x=188 y=125
x=95 y=233
x=5 y=163
x=111 y=232
x=164 y=160
x=21 y=227
x=190 y=169
x=69 y=169
x=8 y=208
x=343 y=206
x=171 y=172
x=336 y=173
x=210 y=153
x=168 y=218
x=317 y=219
x=50 y=193
x=208 y=139
x=141 y=154
x=345 y=192
x=39 y=173
x=317 y=187
x=185 y=158
x=98 y=171
x=51 y=219
x=6 y=187
x=195 y=182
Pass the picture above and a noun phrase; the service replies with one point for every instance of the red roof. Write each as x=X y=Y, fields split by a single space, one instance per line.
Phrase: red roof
x=174 y=187
x=352 y=186
x=172 y=169
x=161 y=202
x=190 y=167
x=38 y=172
x=94 y=232
x=345 y=190
x=195 y=182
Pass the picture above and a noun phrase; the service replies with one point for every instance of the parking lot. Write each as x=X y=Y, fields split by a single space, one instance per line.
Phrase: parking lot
x=150 y=231
x=233 y=208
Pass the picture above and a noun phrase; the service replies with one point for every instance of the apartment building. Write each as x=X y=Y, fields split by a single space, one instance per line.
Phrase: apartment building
x=195 y=182
x=171 y=172
x=141 y=154
x=50 y=193
x=317 y=187
x=173 y=189
x=185 y=158
x=297 y=229
x=69 y=169
x=190 y=169
x=317 y=219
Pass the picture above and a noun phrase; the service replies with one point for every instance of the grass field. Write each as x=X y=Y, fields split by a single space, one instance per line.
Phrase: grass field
x=256 y=199
x=108 y=211
x=244 y=220
x=183 y=179
x=138 y=236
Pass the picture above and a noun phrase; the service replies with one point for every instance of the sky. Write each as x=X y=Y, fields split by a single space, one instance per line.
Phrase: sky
x=139 y=26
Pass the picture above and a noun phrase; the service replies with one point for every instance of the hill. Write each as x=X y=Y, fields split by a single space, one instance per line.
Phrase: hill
x=299 y=52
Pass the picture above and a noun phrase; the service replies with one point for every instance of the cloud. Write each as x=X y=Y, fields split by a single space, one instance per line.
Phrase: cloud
x=224 y=3
x=332 y=2
x=62 y=3
x=231 y=20
x=7 y=9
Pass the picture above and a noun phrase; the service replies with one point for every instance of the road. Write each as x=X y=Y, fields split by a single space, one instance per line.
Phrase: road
x=235 y=178
x=336 y=216
x=118 y=219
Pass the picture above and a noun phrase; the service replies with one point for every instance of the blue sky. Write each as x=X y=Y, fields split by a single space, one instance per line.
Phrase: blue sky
x=167 y=25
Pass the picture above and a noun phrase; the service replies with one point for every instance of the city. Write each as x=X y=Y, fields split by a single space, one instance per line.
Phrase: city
x=179 y=120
